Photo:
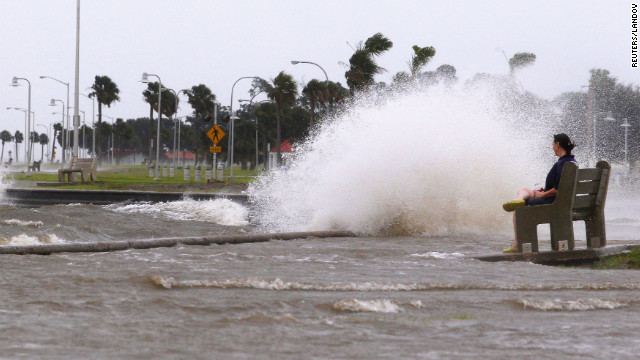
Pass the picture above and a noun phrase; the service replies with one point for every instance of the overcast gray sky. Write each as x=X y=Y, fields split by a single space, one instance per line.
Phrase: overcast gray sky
x=216 y=42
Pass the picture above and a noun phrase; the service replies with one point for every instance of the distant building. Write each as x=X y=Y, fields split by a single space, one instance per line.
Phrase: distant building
x=287 y=150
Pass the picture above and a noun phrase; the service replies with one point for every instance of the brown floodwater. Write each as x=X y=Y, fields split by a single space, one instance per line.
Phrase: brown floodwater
x=341 y=298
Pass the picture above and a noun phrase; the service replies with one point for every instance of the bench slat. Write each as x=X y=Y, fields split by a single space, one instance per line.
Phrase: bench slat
x=584 y=201
x=587 y=187
x=589 y=174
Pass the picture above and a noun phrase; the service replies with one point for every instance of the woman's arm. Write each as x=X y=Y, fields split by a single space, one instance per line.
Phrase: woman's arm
x=540 y=193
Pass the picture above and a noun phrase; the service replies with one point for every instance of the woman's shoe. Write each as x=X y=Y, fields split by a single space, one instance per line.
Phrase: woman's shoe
x=510 y=249
x=513 y=205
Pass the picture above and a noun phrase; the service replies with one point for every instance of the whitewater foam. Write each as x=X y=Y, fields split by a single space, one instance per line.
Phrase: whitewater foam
x=17 y=222
x=571 y=305
x=355 y=305
x=219 y=211
x=428 y=162
x=168 y=282
x=24 y=239
x=439 y=255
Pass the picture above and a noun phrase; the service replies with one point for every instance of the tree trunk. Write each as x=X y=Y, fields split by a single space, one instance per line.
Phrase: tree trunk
x=16 y=152
x=99 y=134
x=312 y=113
x=278 y=136
x=196 y=147
x=2 y=155
x=41 y=152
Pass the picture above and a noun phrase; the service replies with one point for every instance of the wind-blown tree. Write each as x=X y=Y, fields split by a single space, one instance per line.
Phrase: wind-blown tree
x=33 y=139
x=202 y=100
x=5 y=137
x=420 y=58
x=316 y=92
x=520 y=60
x=362 y=64
x=283 y=91
x=122 y=131
x=43 y=140
x=106 y=92
x=18 y=138
x=57 y=129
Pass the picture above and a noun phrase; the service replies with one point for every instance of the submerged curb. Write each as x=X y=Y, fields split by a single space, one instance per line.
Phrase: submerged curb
x=40 y=197
x=105 y=246
x=561 y=257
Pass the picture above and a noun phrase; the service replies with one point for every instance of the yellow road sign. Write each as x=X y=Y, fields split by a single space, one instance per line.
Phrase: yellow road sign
x=215 y=134
x=215 y=149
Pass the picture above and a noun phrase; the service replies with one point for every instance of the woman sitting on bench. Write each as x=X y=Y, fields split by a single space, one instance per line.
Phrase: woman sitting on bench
x=562 y=147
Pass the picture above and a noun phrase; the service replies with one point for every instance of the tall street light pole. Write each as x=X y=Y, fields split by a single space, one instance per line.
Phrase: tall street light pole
x=84 y=117
x=231 y=138
x=14 y=82
x=145 y=79
x=256 y=121
x=296 y=62
x=626 y=126
x=65 y=141
x=53 y=103
x=76 y=98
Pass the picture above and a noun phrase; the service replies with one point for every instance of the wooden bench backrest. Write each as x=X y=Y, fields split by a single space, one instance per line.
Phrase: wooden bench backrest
x=591 y=189
x=82 y=163
x=583 y=191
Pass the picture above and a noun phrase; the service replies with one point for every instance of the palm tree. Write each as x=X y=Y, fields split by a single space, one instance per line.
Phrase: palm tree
x=202 y=100
x=18 y=137
x=283 y=91
x=33 y=139
x=43 y=140
x=362 y=65
x=57 y=128
x=520 y=60
x=106 y=92
x=420 y=58
x=5 y=136
x=317 y=93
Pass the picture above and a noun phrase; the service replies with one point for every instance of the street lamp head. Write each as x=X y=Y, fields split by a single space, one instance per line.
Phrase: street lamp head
x=14 y=81
x=53 y=102
x=294 y=62
x=42 y=76
x=145 y=78
x=609 y=117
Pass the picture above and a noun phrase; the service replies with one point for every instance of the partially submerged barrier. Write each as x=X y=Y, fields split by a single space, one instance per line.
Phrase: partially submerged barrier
x=105 y=246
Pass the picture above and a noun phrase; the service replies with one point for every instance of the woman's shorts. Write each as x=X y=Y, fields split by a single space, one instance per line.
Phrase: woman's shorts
x=540 y=200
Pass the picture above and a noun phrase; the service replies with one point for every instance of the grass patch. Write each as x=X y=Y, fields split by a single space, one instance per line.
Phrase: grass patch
x=625 y=261
x=128 y=177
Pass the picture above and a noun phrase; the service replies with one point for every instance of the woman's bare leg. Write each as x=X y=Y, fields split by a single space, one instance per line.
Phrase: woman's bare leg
x=522 y=194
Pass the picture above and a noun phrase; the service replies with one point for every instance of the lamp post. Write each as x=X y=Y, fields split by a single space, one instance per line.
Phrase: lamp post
x=65 y=141
x=145 y=79
x=296 y=62
x=256 y=121
x=84 y=117
x=595 y=150
x=64 y=135
x=231 y=138
x=76 y=99
x=93 y=126
x=14 y=82
x=626 y=126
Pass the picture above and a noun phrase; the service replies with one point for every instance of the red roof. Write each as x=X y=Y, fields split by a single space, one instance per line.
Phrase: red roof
x=183 y=154
x=285 y=146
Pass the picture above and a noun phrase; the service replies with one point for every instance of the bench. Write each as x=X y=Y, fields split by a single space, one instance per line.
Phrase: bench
x=86 y=167
x=35 y=166
x=581 y=197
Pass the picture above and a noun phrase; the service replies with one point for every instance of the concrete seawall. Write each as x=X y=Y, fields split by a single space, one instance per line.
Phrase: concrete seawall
x=40 y=197
x=105 y=246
